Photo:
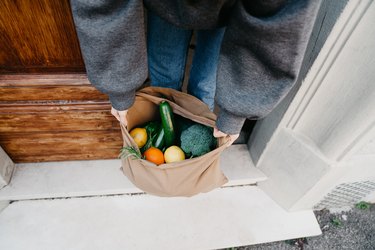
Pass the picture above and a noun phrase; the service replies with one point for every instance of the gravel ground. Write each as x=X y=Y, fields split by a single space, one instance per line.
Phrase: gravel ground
x=352 y=230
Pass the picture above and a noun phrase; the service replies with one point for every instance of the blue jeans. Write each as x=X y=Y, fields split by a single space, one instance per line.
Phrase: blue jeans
x=167 y=49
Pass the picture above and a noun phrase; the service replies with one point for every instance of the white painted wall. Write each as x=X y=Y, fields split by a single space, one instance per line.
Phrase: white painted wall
x=368 y=148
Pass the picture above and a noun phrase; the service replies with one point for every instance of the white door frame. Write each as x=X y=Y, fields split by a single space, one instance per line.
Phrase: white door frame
x=331 y=117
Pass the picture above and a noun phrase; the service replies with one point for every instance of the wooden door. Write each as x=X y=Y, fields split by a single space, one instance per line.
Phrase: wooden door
x=48 y=109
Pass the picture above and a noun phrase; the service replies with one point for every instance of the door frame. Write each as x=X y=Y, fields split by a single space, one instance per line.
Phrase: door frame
x=304 y=146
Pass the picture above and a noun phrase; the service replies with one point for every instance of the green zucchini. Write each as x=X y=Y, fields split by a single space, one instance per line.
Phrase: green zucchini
x=167 y=122
x=159 y=139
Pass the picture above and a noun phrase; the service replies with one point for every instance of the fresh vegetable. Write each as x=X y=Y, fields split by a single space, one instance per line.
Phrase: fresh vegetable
x=154 y=155
x=158 y=141
x=167 y=122
x=174 y=154
x=167 y=135
x=181 y=124
x=139 y=135
x=126 y=152
x=153 y=129
x=197 y=140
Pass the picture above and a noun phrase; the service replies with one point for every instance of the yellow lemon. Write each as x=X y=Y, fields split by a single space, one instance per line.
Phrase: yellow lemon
x=174 y=154
x=140 y=136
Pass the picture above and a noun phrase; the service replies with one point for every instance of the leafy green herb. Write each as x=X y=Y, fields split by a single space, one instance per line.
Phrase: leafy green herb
x=129 y=151
x=152 y=129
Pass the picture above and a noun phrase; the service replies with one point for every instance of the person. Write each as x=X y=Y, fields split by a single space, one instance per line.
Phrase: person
x=167 y=49
x=260 y=55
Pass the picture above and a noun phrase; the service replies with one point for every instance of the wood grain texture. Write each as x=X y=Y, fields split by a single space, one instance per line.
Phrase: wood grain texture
x=56 y=132
x=8 y=80
x=57 y=121
x=38 y=36
x=50 y=93
x=62 y=146
x=54 y=118
x=48 y=109
x=53 y=106
x=31 y=87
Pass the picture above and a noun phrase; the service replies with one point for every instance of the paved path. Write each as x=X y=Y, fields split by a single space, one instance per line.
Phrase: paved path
x=351 y=230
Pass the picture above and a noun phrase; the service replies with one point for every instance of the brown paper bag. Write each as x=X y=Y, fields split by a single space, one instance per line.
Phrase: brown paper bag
x=185 y=178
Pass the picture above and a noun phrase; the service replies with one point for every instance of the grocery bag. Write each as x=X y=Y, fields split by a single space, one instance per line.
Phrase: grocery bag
x=184 y=178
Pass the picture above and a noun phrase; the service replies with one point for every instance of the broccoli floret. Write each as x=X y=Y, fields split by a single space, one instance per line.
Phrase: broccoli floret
x=197 y=140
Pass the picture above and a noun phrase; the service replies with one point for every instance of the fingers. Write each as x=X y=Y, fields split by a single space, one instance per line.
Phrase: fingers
x=218 y=133
x=232 y=138
x=120 y=115
x=114 y=112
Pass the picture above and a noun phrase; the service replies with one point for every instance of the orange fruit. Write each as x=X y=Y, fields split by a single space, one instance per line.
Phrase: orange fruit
x=154 y=155
x=139 y=135
x=174 y=154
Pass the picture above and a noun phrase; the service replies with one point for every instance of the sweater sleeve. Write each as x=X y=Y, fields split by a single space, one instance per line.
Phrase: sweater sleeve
x=112 y=39
x=260 y=57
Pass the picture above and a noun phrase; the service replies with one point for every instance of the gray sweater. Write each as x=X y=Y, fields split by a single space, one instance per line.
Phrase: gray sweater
x=260 y=57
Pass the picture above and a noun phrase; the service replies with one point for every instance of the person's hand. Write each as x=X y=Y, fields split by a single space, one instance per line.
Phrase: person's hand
x=218 y=133
x=120 y=115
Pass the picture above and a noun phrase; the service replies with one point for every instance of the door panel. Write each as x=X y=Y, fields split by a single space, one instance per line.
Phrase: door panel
x=38 y=36
x=51 y=120
x=48 y=109
x=42 y=118
x=61 y=146
x=42 y=87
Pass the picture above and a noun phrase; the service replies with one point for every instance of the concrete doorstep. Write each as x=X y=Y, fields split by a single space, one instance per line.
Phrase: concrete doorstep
x=92 y=205
x=226 y=217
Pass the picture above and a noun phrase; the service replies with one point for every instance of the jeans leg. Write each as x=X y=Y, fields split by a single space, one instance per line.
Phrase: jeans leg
x=202 y=80
x=167 y=48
